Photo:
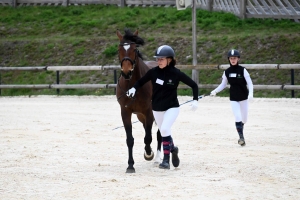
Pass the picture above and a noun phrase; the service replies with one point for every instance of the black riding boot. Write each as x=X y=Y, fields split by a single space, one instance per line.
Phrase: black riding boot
x=239 y=128
x=175 y=158
x=166 y=162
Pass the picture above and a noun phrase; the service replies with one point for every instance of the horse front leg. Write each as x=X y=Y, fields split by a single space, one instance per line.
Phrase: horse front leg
x=129 y=141
x=148 y=155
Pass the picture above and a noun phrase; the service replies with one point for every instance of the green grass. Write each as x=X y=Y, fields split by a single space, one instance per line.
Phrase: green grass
x=86 y=35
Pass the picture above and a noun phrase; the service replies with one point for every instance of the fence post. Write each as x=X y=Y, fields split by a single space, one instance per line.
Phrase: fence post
x=57 y=81
x=210 y=5
x=66 y=3
x=14 y=3
x=115 y=80
x=122 y=3
x=195 y=73
x=292 y=82
x=243 y=9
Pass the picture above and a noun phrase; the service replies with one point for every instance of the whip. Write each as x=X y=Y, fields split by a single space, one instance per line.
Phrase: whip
x=199 y=97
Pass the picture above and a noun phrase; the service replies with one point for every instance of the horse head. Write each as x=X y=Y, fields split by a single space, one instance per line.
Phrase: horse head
x=128 y=52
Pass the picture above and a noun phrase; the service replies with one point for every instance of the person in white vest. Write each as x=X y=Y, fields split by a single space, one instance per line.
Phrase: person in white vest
x=241 y=91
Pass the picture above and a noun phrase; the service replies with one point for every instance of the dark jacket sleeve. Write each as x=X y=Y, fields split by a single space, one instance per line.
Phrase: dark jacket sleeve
x=188 y=81
x=143 y=80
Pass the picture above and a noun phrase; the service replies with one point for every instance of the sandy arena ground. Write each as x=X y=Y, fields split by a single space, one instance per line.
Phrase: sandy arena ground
x=64 y=148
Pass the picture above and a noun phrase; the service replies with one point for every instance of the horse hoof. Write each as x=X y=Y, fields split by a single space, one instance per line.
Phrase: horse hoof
x=242 y=142
x=148 y=157
x=130 y=170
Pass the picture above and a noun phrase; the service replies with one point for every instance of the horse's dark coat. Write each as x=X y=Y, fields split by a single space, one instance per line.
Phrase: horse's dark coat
x=132 y=69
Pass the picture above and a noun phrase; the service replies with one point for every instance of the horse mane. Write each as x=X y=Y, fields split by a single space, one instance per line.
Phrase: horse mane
x=129 y=36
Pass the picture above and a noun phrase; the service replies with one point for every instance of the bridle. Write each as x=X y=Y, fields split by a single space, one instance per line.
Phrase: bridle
x=128 y=76
x=126 y=46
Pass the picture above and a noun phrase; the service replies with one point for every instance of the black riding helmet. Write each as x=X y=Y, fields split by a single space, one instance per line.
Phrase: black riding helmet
x=164 y=51
x=233 y=53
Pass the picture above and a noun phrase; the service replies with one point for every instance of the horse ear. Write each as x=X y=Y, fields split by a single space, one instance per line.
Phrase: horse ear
x=120 y=36
x=136 y=32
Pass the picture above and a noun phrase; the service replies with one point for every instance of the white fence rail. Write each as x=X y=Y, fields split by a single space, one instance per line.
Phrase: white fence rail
x=117 y=67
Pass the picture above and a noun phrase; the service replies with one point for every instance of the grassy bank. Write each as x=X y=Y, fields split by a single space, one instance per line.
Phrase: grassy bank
x=86 y=35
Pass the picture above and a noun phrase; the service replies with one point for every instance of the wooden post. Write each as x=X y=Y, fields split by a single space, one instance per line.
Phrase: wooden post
x=195 y=73
x=122 y=3
x=14 y=3
x=66 y=3
x=210 y=5
x=57 y=81
x=115 y=80
x=292 y=82
x=243 y=9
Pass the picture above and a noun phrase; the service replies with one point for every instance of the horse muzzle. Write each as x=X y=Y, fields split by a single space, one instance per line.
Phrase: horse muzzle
x=128 y=75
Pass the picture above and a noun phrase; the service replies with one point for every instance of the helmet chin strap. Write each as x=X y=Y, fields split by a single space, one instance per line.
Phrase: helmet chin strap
x=168 y=61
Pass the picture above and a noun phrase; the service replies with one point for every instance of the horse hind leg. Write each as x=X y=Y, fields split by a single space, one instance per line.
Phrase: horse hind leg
x=157 y=159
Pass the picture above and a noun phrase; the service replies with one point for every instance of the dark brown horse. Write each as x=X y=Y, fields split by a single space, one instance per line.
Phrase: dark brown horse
x=132 y=69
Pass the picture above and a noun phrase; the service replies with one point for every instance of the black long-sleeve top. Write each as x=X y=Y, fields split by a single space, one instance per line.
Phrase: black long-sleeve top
x=164 y=86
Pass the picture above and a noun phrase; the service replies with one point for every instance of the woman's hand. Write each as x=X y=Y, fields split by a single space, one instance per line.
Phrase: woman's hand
x=130 y=93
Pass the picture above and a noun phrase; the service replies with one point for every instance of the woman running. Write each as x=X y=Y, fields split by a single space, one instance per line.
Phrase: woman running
x=238 y=78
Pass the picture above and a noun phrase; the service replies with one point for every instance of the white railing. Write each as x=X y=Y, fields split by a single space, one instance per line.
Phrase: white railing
x=117 y=67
